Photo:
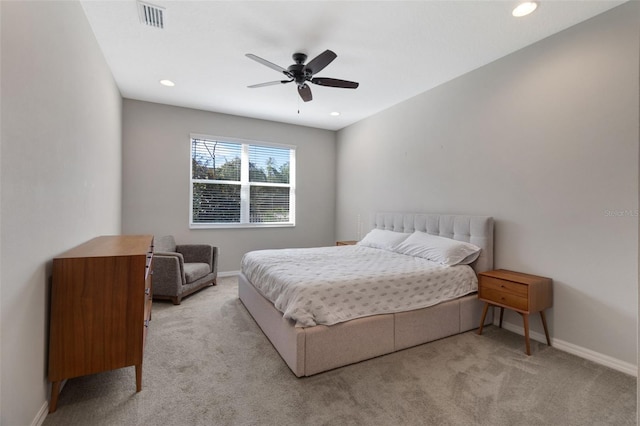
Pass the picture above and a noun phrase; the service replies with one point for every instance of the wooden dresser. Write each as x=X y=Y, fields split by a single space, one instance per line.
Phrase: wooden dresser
x=100 y=308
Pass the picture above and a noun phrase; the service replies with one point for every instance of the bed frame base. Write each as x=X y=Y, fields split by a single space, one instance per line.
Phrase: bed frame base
x=312 y=350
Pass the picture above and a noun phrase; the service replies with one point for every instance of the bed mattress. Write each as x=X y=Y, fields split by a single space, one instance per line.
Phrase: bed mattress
x=331 y=285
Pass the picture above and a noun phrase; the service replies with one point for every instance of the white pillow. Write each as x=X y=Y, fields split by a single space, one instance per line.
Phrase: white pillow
x=382 y=239
x=438 y=249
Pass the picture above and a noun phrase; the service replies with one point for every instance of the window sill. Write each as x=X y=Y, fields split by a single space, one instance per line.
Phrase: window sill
x=240 y=225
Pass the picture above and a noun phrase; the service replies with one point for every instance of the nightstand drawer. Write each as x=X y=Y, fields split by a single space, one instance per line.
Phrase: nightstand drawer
x=503 y=298
x=511 y=287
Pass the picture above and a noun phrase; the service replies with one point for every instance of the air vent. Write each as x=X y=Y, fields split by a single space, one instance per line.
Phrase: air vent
x=151 y=15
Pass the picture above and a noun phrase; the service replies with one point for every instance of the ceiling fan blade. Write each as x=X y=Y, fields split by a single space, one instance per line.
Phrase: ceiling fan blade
x=318 y=63
x=305 y=92
x=267 y=63
x=269 y=83
x=333 y=82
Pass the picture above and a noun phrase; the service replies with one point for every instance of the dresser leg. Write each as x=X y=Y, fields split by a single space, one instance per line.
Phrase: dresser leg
x=55 y=391
x=484 y=315
x=501 y=316
x=525 y=318
x=138 y=377
x=544 y=325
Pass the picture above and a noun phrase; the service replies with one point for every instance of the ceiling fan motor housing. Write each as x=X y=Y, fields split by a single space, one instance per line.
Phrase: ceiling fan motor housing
x=298 y=71
x=299 y=58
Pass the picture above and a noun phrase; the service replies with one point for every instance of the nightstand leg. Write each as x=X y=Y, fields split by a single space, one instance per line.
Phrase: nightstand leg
x=484 y=315
x=525 y=318
x=501 y=315
x=544 y=325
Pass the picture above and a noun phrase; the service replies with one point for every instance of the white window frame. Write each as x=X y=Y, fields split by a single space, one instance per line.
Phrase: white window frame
x=245 y=185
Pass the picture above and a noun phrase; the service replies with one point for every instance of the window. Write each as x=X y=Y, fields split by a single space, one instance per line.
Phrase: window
x=240 y=183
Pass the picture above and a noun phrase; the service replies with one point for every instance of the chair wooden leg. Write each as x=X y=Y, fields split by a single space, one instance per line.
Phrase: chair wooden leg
x=176 y=300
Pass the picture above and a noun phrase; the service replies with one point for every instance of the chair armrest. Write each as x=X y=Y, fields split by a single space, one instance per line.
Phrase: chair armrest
x=197 y=253
x=214 y=268
x=168 y=272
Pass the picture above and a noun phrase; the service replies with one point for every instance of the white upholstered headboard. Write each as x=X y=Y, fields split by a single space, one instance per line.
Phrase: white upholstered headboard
x=476 y=230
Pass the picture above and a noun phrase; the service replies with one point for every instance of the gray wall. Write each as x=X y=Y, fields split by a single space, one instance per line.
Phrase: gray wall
x=546 y=141
x=61 y=178
x=156 y=167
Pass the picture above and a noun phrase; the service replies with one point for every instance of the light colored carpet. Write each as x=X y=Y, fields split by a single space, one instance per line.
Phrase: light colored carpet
x=208 y=363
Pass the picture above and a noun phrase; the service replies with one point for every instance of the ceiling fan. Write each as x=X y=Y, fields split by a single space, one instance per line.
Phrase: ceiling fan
x=301 y=73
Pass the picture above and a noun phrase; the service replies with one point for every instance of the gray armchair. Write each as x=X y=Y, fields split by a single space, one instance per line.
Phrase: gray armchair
x=179 y=270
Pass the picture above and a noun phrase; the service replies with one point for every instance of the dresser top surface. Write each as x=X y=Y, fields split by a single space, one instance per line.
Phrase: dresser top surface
x=111 y=245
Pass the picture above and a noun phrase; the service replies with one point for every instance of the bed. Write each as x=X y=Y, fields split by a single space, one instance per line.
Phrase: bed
x=309 y=348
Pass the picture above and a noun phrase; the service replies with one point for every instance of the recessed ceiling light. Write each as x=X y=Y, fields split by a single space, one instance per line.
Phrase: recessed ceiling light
x=167 y=83
x=523 y=9
x=334 y=113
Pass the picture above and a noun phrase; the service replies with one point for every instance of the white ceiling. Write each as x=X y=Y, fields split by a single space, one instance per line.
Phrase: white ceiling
x=394 y=49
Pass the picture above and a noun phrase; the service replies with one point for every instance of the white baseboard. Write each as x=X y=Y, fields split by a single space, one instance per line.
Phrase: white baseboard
x=585 y=353
x=42 y=414
x=228 y=274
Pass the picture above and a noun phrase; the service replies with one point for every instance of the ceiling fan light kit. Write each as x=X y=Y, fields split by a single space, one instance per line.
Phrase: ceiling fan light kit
x=301 y=73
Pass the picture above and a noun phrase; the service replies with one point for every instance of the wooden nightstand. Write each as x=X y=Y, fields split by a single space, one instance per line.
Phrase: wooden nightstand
x=346 y=243
x=523 y=293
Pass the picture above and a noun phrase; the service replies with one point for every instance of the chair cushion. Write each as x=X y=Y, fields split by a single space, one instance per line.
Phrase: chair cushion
x=165 y=244
x=195 y=271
